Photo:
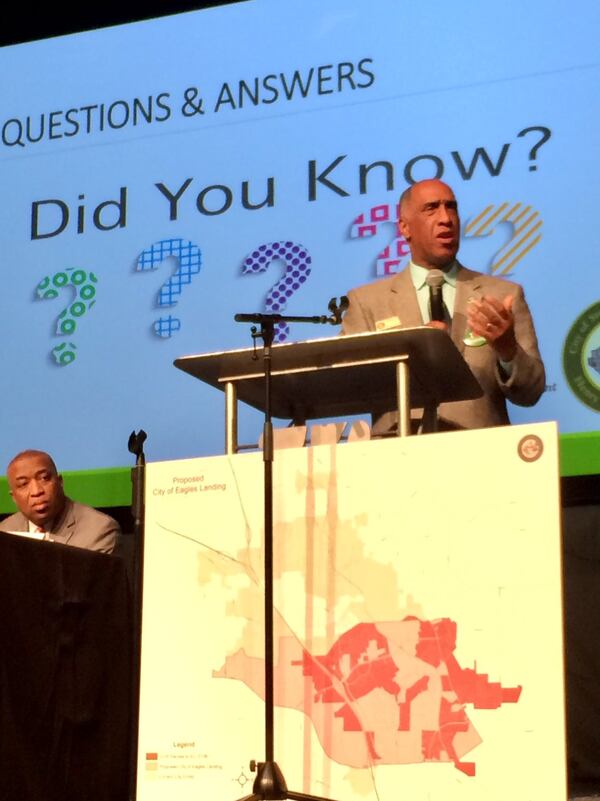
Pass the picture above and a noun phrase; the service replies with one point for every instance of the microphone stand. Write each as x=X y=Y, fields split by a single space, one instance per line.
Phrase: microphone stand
x=135 y=445
x=270 y=783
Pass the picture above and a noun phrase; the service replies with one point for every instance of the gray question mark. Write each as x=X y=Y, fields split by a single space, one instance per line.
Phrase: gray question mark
x=546 y=134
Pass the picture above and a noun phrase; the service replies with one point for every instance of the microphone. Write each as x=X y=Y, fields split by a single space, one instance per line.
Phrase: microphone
x=435 y=280
x=337 y=312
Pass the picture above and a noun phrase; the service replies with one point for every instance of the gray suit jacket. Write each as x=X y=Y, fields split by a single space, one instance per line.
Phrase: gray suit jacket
x=78 y=525
x=396 y=297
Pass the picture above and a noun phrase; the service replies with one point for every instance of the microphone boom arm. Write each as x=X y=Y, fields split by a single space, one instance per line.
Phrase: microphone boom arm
x=335 y=318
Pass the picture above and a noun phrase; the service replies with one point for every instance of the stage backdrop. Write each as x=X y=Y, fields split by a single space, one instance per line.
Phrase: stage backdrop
x=159 y=177
x=418 y=623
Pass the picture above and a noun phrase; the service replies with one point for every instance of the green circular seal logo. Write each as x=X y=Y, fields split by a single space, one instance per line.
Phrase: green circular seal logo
x=581 y=357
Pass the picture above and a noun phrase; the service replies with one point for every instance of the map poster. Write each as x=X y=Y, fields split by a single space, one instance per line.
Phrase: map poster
x=418 y=621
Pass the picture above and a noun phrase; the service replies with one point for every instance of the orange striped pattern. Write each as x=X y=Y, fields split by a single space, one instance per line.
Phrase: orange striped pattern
x=526 y=224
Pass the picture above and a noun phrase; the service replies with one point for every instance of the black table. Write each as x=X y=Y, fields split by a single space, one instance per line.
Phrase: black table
x=65 y=673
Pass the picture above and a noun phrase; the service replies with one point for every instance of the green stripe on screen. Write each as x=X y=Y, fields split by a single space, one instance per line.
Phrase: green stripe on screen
x=579 y=456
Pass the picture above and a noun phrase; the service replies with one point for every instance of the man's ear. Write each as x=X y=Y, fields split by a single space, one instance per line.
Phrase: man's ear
x=404 y=228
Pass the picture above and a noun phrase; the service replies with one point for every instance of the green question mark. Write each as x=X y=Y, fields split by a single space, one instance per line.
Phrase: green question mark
x=84 y=286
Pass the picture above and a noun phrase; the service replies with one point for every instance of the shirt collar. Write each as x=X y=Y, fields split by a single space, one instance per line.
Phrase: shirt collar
x=418 y=274
x=34 y=528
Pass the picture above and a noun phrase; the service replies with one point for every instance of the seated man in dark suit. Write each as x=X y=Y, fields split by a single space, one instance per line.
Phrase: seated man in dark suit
x=37 y=490
x=487 y=317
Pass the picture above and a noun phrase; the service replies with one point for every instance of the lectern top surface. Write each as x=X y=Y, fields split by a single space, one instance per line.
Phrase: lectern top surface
x=330 y=376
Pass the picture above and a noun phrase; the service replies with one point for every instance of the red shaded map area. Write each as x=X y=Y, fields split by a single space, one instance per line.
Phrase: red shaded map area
x=385 y=693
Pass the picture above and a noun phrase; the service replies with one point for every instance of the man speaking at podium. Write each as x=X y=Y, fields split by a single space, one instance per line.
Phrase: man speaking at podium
x=487 y=317
x=45 y=511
